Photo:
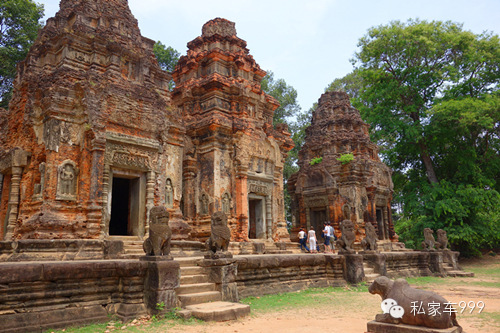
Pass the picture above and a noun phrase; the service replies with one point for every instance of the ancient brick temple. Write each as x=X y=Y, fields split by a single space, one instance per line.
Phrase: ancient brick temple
x=325 y=189
x=233 y=157
x=92 y=140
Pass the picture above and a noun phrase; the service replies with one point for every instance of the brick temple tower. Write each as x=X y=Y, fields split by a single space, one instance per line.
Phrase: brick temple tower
x=233 y=159
x=360 y=190
x=89 y=134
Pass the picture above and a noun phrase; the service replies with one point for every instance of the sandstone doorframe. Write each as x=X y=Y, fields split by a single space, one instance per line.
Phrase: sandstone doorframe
x=130 y=158
x=260 y=191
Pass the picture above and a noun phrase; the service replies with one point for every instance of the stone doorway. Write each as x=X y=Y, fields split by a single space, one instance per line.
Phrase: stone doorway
x=380 y=224
x=317 y=220
x=127 y=206
x=256 y=218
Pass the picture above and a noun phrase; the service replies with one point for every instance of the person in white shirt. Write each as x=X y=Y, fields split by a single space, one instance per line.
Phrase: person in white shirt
x=332 y=237
x=326 y=236
x=303 y=239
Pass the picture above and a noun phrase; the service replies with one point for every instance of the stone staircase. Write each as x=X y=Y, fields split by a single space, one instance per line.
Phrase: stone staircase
x=370 y=274
x=200 y=299
x=451 y=271
x=132 y=246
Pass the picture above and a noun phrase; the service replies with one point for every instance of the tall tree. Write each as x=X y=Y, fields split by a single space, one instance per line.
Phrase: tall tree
x=289 y=112
x=430 y=92
x=167 y=56
x=19 y=24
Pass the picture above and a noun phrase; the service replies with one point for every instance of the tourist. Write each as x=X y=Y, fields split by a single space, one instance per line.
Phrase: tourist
x=326 y=236
x=312 y=240
x=303 y=239
x=333 y=238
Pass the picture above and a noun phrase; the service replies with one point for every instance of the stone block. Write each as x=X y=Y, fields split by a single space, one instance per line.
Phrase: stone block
x=162 y=277
x=376 y=327
x=353 y=268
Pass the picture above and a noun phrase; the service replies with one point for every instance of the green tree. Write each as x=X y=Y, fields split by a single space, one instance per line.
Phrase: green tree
x=289 y=112
x=19 y=24
x=167 y=56
x=430 y=93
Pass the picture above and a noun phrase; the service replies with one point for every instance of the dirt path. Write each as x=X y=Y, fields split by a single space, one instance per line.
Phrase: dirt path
x=350 y=312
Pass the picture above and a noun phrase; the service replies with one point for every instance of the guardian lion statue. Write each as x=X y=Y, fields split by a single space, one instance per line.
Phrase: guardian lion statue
x=429 y=241
x=410 y=300
x=442 y=240
x=348 y=237
x=158 y=242
x=370 y=241
x=220 y=235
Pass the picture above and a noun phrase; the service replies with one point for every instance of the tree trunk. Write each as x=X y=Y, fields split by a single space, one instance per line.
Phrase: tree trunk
x=429 y=168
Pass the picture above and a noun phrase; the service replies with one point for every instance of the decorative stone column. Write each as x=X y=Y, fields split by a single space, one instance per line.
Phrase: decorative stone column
x=269 y=217
x=223 y=273
x=13 y=201
x=150 y=198
x=436 y=263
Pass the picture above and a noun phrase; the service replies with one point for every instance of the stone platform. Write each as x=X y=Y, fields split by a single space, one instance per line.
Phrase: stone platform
x=376 y=327
x=218 y=311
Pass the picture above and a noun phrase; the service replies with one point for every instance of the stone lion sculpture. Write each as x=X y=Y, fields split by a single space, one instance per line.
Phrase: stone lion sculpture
x=429 y=241
x=158 y=242
x=442 y=239
x=348 y=237
x=410 y=300
x=370 y=241
x=220 y=235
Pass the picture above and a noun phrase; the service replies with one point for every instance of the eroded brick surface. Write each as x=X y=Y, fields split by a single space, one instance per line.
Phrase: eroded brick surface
x=93 y=138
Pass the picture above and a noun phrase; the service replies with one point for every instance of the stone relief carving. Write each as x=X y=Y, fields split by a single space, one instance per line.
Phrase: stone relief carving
x=226 y=204
x=259 y=187
x=169 y=194
x=38 y=190
x=67 y=181
x=204 y=204
x=316 y=201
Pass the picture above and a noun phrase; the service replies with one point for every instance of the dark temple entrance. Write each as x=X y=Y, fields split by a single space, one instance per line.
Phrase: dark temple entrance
x=124 y=207
x=317 y=219
x=256 y=220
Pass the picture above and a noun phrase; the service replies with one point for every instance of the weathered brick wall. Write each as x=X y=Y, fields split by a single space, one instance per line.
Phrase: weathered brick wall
x=261 y=275
x=38 y=296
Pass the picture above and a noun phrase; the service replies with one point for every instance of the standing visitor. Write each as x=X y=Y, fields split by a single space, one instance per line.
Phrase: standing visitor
x=326 y=236
x=303 y=239
x=312 y=240
x=333 y=238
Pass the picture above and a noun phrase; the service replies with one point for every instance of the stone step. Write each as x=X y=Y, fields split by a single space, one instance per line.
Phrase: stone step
x=371 y=277
x=191 y=279
x=199 y=298
x=192 y=270
x=219 y=311
x=195 y=288
x=368 y=270
x=188 y=261
x=459 y=274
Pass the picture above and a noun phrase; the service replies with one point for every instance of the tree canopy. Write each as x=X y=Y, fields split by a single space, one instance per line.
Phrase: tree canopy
x=19 y=24
x=167 y=56
x=429 y=90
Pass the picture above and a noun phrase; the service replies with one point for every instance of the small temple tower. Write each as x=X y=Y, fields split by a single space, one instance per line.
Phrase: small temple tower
x=325 y=189
x=90 y=142
x=233 y=159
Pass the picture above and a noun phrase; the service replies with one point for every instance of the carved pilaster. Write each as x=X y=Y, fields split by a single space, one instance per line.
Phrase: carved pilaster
x=150 y=196
x=13 y=201
x=269 y=217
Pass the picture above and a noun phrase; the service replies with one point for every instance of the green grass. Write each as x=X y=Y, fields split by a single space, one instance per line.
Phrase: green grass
x=317 y=296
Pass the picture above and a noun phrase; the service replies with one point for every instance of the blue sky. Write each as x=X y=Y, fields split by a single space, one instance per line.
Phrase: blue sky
x=308 y=42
